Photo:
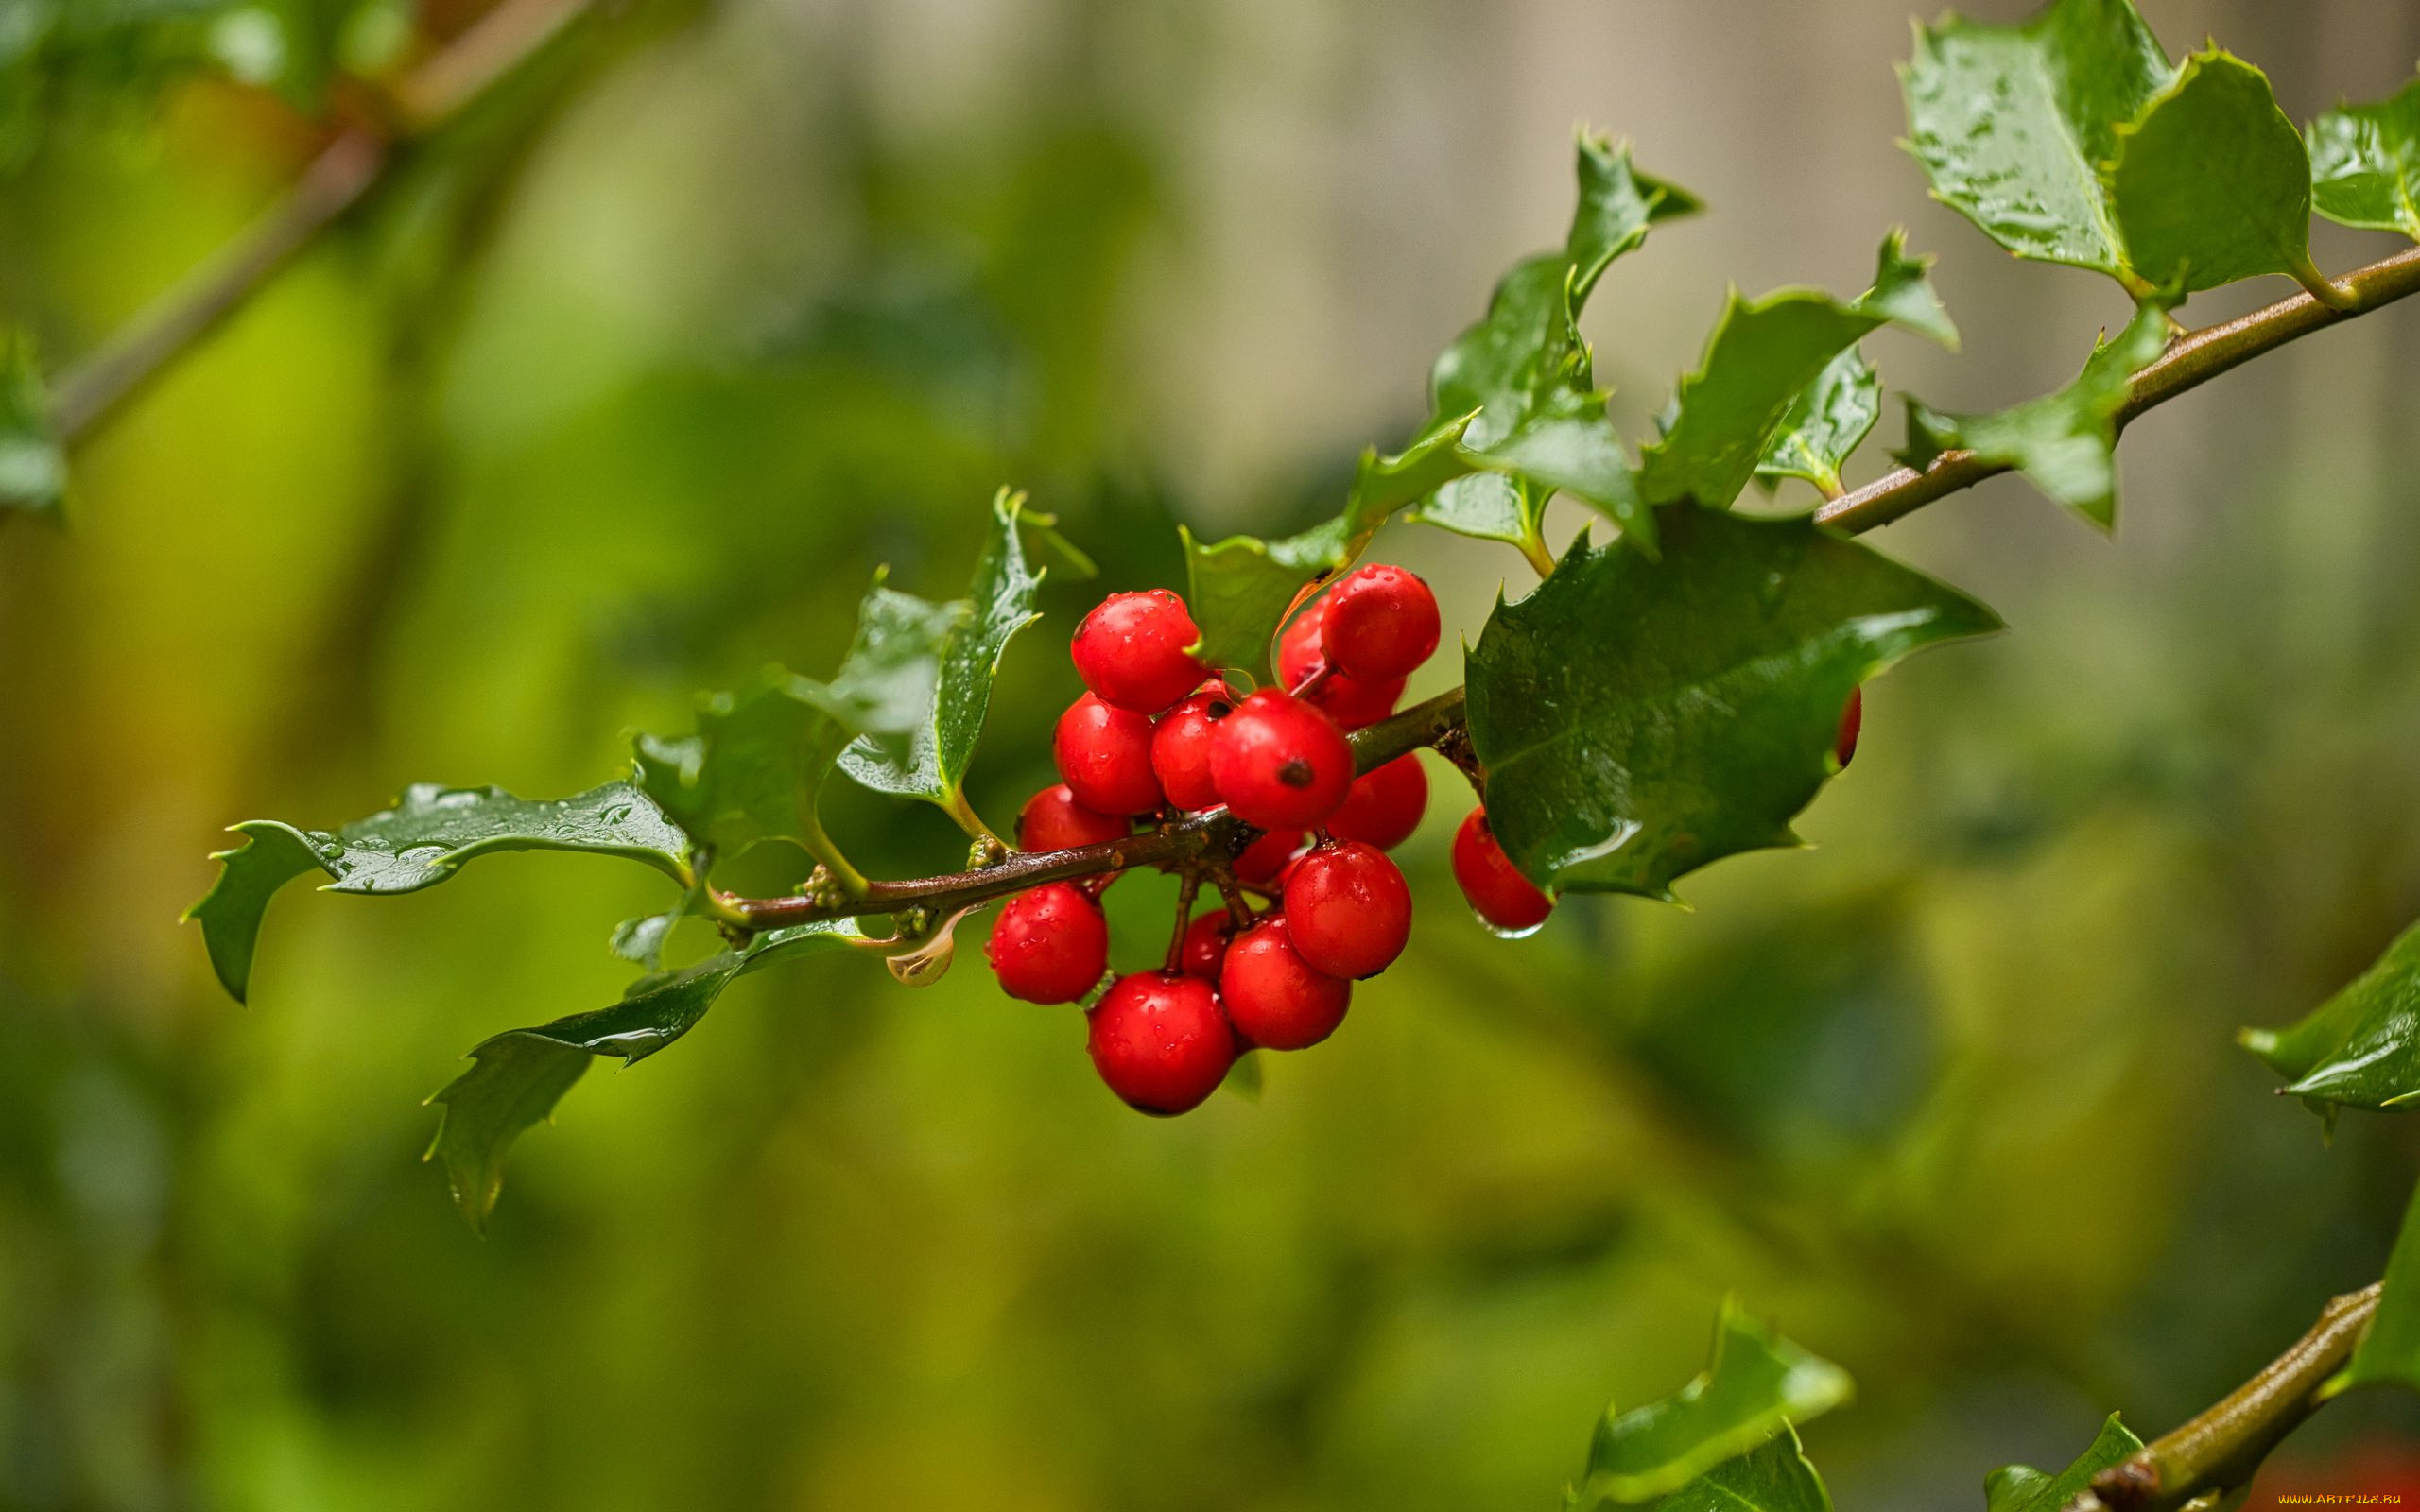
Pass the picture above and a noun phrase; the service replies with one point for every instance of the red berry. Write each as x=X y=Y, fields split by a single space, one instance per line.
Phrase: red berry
x=1105 y=755
x=1348 y=909
x=1265 y=859
x=1354 y=703
x=1160 y=1042
x=1297 y=648
x=1181 y=747
x=1384 y=805
x=1134 y=650
x=1205 y=944
x=1053 y=820
x=1275 y=998
x=1049 y=945
x=1852 y=720
x=1381 y=623
x=1500 y=895
x=1279 y=763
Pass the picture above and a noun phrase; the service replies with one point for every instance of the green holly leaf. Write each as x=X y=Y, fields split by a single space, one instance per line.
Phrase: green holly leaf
x=2066 y=442
x=929 y=760
x=1514 y=417
x=1775 y=1476
x=516 y=1077
x=2389 y=1354
x=1903 y=293
x=642 y=939
x=1762 y=356
x=1757 y=1386
x=1487 y=507
x=1239 y=589
x=1527 y=351
x=758 y=760
x=1519 y=349
x=428 y=836
x=1567 y=444
x=1824 y=424
x=1618 y=760
x=2014 y=123
x=2213 y=184
x=2365 y=164
x=2361 y=1047
x=2023 y=1488
x=33 y=462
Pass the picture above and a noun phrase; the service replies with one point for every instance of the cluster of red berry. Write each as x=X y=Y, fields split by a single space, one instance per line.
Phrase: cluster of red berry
x=1157 y=737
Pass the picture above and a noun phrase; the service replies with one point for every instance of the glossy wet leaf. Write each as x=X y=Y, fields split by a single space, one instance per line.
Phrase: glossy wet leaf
x=1825 y=424
x=1514 y=417
x=642 y=939
x=1519 y=350
x=1526 y=353
x=2365 y=164
x=2361 y=1047
x=759 y=757
x=516 y=1077
x=929 y=759
x=2389 y=1354
x=1757 y=1386
x=33 y=463
x=1639 y=719
x=2023 y=1488
x=2014 y=123
x=2065 y=442
x=1487 y=507
x=2213 y=184
x=1763 y=353
x=1567 y=444
x=420 y=842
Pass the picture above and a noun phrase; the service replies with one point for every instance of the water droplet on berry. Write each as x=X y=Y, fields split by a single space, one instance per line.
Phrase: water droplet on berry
x=1502 y=932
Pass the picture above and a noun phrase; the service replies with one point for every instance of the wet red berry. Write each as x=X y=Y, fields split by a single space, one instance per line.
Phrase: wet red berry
x=1264 y=860
x=1381 y=623
x=1279 y=763
x=1348 y=909
x=1134 y=650
x=1104 y=754
x=1354 y=703
x=1297 y=648
x=1160 y=1042
x=1497 y=891
x=1275 y=998
x=1180 y=748
x=1384 y=805
x=1852 y=720
x=1053 y=820
x=1049 y=945
x=1205 y=944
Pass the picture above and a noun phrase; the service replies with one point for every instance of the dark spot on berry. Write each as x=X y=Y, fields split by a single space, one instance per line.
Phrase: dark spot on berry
x=1296 y=773
x=1218 y=709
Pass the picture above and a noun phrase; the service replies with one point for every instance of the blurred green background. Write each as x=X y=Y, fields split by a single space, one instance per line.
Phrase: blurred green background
x=627 y=383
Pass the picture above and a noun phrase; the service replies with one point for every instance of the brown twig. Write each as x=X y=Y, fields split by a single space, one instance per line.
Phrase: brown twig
x=2189 y=362
x=90 y=391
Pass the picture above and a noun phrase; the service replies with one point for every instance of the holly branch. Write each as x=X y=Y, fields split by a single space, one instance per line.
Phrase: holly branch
x=2187 y=361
